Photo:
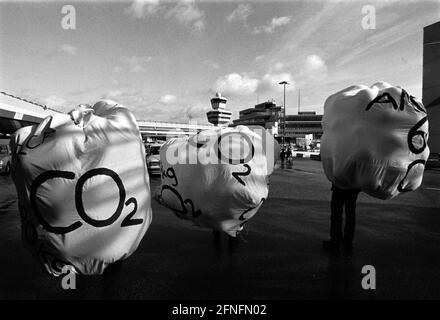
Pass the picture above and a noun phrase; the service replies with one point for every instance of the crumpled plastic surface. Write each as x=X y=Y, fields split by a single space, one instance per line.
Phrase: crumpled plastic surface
x=208 y=180
x=83 y=188
x=375 y=139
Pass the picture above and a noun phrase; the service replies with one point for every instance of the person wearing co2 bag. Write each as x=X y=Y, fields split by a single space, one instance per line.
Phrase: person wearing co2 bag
x=227 y=184
x=375 y=140
x=82 y=206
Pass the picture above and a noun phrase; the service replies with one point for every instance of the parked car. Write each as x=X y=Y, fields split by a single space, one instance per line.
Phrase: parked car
x=153 y=158
x=433 y=161
x=5 y=159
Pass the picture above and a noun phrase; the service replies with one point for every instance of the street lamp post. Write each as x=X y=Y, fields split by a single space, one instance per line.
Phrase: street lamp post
x=284 y=111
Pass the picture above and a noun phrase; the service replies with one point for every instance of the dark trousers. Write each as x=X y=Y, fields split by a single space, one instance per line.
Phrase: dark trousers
x=340 y=199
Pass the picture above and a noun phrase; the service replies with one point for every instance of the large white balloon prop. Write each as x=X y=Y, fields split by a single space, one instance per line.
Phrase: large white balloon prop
x=375 y=139
x=219 y=177
x=83 y=187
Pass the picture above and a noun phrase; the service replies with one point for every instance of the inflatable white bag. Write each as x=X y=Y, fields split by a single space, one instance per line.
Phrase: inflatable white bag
x=375 y=139
x=83 y=188
x=219 y=177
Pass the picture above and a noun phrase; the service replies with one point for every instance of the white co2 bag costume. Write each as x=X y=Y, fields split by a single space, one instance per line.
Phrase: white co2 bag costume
x=83 y=188
x=206 y=178
x=375 y=139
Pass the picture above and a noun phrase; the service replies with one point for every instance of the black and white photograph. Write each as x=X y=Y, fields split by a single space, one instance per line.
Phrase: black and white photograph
x=220 y=156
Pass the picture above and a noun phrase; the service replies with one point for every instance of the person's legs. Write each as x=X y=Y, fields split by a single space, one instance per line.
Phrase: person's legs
x=112 y=274
x=350 y=216
x=337 y=206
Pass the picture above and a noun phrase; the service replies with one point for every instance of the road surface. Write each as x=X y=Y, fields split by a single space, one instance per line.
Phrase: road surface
x=281 y=257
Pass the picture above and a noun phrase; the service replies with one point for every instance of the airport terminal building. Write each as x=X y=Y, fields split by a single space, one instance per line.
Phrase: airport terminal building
x=302 y=124
x=270 y=116
x=266 y=114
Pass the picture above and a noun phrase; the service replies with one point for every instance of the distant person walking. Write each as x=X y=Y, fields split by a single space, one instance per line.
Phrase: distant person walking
x=289 y=156
x=342 y=198
x=282 y=156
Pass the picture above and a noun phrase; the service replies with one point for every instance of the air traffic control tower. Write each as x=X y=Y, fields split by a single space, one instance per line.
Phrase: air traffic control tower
x=431 y=82
x=219 y=115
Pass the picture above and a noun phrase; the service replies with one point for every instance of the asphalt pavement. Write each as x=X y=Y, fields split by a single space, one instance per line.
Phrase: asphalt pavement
x=280 y=256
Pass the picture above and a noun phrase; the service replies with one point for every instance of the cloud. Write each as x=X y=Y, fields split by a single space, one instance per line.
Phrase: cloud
x=212 y=64
x=61 y=50
x=270 y=82
x=197 y=111
x=278 y=66
x=133 y=64
x=168 y=99
x=314 y=62
x=235 y=84
x=141 y=8
x=117 y=69
x=54 y=102
x=241 y=13
x=115 y=94
x=132 y=98
x=276 y=23
x=67 y=48
x=315 y=67
x=260 y=57
x=187 y=13
x=145 y=104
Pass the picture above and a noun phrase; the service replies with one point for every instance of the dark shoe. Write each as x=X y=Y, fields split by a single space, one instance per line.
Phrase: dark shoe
x=331 y=246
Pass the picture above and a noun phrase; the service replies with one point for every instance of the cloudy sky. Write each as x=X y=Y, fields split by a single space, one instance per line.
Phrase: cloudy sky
x=166 y=59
